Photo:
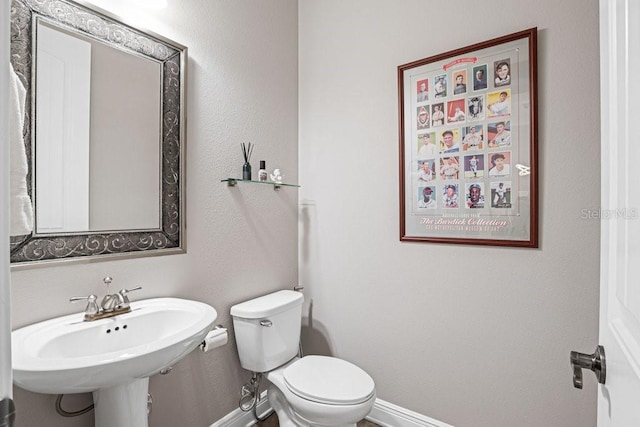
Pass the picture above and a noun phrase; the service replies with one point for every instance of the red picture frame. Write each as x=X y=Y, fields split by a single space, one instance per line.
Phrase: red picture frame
x=484 y=189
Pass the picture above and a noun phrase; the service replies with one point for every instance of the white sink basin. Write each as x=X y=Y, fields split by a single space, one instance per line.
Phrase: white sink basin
x=69 y=355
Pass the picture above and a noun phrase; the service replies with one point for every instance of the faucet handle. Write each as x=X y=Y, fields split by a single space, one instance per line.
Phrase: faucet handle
x=92 y=306
x=123 y=293
x=90 y=298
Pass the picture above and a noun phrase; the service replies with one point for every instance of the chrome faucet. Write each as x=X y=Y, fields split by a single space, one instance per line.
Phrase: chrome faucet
x=111 y=305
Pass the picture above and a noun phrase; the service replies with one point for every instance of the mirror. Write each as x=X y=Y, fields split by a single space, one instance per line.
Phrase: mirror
x=104 y=134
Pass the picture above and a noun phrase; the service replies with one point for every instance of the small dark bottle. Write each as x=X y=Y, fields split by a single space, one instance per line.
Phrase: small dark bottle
x=262 y=173
x=246 y=171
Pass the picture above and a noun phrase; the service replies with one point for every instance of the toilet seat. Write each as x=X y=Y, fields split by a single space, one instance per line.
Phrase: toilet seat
x=328 y=380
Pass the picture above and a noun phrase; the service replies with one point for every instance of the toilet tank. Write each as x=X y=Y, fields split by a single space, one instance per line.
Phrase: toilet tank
x=267 y=330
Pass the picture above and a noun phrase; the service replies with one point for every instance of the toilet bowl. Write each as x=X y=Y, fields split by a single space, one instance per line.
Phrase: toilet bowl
x=320 y=391
x=305 y=392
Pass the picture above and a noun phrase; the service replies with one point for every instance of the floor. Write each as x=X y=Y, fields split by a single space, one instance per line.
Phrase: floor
x=272 y=421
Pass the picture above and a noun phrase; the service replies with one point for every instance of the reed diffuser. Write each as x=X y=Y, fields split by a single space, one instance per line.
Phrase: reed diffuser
x=247 y=149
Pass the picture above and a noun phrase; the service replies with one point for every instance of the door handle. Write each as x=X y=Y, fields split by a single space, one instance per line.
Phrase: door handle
x=595 y=362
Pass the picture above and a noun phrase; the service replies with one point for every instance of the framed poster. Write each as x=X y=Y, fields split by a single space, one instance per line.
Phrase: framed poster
x=468 y=144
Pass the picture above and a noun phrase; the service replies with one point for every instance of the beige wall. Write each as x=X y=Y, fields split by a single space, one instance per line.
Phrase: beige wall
x=472 y=336
x=241 y=242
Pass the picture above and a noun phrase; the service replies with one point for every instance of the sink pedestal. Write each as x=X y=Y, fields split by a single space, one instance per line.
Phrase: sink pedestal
x=123 y=405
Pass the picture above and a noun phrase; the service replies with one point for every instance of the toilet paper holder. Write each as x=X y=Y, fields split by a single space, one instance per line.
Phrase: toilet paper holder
x=216 y=337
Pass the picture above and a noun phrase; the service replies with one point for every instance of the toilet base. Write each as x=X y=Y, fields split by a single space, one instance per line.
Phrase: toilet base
x=287 y=417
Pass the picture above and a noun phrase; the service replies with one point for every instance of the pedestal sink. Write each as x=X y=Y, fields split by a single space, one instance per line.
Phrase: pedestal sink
x=113 y=357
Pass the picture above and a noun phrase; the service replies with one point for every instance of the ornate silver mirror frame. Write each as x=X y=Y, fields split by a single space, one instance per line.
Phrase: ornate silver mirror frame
x=169 y=238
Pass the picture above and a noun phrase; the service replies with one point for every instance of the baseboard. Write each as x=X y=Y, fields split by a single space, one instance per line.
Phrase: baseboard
x=383 y=413
x=387 y=414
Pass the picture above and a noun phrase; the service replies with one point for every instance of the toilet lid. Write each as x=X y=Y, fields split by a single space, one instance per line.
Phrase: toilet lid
x=328 y=380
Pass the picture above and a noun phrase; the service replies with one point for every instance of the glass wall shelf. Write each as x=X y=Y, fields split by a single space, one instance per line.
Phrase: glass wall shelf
x=231 y=182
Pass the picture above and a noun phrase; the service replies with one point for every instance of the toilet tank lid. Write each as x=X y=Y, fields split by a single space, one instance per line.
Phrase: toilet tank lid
x=267 y=305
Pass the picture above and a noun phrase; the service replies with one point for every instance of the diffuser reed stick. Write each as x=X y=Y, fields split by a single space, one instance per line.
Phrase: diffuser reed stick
x=247 y=150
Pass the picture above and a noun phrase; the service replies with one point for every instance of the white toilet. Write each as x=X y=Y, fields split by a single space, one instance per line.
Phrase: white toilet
x=305 y=392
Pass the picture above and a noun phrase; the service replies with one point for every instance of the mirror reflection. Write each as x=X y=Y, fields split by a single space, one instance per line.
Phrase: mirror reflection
x=97 y=136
